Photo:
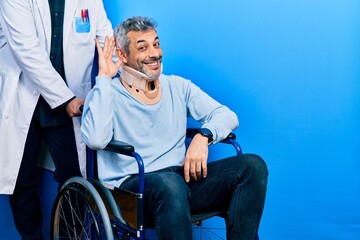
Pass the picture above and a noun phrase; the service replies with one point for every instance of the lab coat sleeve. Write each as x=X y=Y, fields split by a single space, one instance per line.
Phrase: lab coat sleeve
x=104 y=27
x=30 y=52
x=97 y=117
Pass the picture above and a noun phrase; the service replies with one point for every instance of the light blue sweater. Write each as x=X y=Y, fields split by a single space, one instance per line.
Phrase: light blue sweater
x=156 y=131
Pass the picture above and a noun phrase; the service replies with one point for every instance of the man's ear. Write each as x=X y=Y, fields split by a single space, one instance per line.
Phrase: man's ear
x=121 y=55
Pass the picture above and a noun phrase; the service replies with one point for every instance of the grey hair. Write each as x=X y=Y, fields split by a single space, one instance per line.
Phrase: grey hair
x=131 y=24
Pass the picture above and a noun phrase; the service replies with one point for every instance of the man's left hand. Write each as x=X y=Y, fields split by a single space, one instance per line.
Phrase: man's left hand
x=195 y=163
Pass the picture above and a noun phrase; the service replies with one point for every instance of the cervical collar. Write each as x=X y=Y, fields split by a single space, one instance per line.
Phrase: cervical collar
x=140 y=86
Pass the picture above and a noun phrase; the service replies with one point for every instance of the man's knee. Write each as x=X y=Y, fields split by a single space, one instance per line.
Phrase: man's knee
x=257 y=164
x=256 y=167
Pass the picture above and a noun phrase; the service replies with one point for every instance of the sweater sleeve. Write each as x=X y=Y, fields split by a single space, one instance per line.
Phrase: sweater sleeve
x=97 y=117
x=219 y=119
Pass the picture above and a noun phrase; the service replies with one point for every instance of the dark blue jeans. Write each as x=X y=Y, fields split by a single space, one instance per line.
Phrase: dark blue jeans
x=237 y=184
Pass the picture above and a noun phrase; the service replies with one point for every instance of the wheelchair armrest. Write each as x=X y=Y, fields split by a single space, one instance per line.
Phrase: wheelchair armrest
x=120 y=147
x=191 y=132
x=129 y=150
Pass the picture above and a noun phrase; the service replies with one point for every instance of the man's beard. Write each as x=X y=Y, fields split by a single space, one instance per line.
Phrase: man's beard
x=151 y=77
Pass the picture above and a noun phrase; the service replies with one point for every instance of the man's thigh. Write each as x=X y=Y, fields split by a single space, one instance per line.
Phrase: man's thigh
x=214 y=192
x=164 y=181
x=163 y=188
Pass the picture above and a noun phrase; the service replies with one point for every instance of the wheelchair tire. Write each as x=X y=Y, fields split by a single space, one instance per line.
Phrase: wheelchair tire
x=204 y=232
x=79 y=213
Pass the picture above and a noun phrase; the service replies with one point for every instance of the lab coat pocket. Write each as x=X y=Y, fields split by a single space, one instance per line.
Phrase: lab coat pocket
x=8 y=92
x=81 y=33
x=82 y=25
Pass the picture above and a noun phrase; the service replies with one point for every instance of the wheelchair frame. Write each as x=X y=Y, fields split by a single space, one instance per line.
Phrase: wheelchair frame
x=90 y=209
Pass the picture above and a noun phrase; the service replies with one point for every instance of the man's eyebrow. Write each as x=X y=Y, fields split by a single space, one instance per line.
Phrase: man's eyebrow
x=142 y=40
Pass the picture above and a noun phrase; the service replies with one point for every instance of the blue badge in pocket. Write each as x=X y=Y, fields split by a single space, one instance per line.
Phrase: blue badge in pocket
x=82 y=23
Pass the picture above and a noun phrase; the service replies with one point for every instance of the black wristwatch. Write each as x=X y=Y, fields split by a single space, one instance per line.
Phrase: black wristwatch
x=206 y=133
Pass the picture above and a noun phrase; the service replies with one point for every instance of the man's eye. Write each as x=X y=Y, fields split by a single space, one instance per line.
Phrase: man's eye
x=156 y=44
x=141 y=48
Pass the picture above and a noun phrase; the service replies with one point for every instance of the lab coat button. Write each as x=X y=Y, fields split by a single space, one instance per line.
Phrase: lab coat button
x=24 y=127
x=36 y=93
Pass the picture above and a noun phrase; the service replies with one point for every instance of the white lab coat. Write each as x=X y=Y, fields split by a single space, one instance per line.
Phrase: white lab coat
x=26 y=71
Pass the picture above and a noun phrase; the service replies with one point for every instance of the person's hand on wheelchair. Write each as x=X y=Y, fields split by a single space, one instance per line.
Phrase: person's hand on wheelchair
x=195 y=163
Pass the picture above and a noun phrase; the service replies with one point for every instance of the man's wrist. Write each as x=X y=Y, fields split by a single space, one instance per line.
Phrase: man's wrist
x=206 y=133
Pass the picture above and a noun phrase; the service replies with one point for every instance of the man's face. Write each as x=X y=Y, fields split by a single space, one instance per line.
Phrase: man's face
x=145 y=53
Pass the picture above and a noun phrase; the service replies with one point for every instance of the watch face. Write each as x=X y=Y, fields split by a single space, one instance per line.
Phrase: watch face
x=206 y=133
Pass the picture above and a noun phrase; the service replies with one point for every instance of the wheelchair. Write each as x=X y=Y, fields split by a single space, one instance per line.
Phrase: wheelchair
x=90 y=209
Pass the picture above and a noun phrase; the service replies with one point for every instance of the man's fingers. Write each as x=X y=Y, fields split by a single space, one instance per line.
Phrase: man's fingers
x=186 y=171
x=118 y=63
x=194 y=169
x=193 y=172
x=204 y=170
x=198 y=170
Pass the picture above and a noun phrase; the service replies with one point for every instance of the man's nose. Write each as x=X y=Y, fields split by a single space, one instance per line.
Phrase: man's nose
x=154 y=52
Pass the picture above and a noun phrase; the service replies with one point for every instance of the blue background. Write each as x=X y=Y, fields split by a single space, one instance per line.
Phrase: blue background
x=291 y=71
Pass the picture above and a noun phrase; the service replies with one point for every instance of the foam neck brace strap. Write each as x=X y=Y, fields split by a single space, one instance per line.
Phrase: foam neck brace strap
x=134 y=78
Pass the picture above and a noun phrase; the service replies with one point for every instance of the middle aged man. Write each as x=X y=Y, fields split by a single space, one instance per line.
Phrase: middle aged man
x=149 y=110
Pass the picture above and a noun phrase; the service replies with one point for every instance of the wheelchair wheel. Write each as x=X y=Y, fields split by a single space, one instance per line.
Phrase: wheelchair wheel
x=208 y=233
x=79 y=213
